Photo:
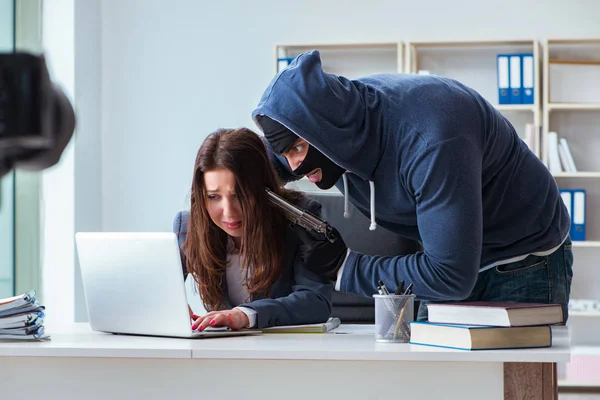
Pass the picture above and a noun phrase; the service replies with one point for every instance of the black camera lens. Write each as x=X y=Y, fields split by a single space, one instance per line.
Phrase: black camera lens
x=22 y=107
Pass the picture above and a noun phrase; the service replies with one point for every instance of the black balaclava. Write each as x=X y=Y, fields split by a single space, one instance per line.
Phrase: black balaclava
x=330 y=171
x=282 y=139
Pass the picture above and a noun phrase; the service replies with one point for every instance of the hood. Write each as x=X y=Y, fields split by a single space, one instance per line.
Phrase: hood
x=336 y=115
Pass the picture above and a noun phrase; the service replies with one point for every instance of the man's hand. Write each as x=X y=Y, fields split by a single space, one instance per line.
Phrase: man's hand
x=234 y=319
x=320 y=255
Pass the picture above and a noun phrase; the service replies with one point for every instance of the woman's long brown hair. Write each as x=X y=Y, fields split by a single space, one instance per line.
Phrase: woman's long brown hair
x=242 y=152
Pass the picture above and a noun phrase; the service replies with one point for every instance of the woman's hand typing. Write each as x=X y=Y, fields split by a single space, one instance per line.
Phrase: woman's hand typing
x=234 y=319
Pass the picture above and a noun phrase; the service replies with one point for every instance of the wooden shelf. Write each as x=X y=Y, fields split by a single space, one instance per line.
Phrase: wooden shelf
x=575 y=62
x=592 y=314
x=563 y=383
x=516 y=107
x=340 y=46
x=588 y=387
x=573 y=106
x=583 y=174
x=586 y=243
x=474 y=43
x=585 y=350
x=574 y=41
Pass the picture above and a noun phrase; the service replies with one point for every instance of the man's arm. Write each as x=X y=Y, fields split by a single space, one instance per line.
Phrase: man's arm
x=446 y=183
x=310 y=300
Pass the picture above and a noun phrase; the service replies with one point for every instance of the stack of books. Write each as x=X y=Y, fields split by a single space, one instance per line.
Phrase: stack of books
x=487 y=325
x=22 y=318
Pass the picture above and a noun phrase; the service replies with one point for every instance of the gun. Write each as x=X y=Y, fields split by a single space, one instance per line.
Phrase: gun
x=302 y=217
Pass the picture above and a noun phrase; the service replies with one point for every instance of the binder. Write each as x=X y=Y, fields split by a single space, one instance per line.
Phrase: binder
x=283 y=62
x=527 y=78
x=503 y=79
x=578 y=217
x=567 y=198
x=22 y=318
x=516 y=96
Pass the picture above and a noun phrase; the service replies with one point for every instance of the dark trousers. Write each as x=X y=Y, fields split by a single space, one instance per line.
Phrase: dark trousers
x=536 y=279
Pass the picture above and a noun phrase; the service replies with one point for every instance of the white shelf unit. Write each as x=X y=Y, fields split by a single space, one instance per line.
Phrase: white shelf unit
x=586 y=243
x=587 y=387
x=582 y=174
x=350 y=60
x=570 y=69
x=571 y=108
x=474 y=63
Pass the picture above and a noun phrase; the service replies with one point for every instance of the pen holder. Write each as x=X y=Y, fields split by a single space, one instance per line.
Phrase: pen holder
x=393 y=313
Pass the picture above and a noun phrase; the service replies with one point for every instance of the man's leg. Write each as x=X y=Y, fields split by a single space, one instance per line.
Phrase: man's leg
x=532 y=280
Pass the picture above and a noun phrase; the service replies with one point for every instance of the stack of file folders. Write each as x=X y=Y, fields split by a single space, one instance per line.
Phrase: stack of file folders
x=22 y=318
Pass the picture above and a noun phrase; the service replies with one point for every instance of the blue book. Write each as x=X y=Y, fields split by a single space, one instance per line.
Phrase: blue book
x=478 y=337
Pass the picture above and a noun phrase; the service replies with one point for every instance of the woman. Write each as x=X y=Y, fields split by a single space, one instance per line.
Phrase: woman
x=248 y=263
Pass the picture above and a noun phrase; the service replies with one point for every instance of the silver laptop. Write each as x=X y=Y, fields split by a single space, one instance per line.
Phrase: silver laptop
x=133 y=284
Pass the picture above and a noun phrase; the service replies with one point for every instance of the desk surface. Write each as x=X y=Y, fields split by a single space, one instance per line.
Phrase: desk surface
x=348 y=342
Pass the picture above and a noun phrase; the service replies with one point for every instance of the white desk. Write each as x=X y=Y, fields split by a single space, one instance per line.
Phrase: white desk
x=79 y=363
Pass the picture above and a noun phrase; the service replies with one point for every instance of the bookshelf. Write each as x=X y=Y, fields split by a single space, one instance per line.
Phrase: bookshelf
x=571 y=108
x=566 y=100
x=474 y=63
x=350 y=60
x=571 y=69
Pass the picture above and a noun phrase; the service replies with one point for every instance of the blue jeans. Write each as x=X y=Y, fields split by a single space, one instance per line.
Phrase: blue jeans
x=536 y=279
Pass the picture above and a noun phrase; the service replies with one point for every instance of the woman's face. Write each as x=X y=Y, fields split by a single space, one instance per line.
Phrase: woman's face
x=222 y=202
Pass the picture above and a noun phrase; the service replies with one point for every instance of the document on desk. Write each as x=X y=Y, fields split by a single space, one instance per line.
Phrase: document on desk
x=323 y=327
x=33 y=332
x=22 y=318
x=17 y=301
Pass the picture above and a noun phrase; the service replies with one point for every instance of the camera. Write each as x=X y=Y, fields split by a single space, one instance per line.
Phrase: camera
x=36 y=118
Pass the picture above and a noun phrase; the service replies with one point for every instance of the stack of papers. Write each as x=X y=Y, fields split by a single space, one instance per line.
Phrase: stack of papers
x=22 y=318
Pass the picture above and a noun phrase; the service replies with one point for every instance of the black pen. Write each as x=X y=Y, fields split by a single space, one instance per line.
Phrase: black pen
x=399 y=289
x=383 y=288
x=408 y=289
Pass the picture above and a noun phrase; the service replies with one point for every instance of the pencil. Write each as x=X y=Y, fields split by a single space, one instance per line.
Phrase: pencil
x=399 y=323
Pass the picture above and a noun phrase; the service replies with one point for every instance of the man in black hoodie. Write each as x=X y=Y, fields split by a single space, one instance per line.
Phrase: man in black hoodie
x=430 y=159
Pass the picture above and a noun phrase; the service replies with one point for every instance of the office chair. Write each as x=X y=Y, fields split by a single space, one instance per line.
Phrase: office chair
x=350 y=308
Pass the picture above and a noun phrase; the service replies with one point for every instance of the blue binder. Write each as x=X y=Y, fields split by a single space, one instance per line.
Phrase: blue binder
x=502 y=72
x=527 y=78
x=514 y=66
x=575 y=201
x=283 y=62
x=567 y=198
x=578 y=216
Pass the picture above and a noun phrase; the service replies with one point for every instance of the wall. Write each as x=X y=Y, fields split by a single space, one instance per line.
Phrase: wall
x=6 y=25
x=173 y=73
x=58 y=182
x=7 y=182
x=88 y=92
